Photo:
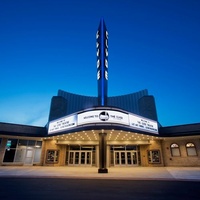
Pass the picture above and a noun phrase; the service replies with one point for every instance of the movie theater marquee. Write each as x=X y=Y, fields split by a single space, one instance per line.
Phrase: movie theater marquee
x=103 y=116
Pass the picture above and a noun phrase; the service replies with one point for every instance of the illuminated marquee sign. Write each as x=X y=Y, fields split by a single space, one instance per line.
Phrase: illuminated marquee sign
x=106 y=116
x=143 y=123
x=62 y=124
x=103 y=116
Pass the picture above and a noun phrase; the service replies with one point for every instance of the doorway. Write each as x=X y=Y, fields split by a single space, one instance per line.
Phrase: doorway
x=80 y=158
x=125 y=158
x=29 y=156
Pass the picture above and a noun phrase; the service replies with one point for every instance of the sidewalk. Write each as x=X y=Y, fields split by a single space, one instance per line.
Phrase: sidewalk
x=123 y=173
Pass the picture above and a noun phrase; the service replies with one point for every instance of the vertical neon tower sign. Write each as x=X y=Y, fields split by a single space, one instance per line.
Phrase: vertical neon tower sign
x=102 y=63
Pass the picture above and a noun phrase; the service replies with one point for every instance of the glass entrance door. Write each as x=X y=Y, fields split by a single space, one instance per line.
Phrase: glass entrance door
x=125 y=158
x=29 y=157
x=80 y=158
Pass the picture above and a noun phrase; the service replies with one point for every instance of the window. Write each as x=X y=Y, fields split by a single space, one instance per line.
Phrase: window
x=17 y=150
x=10 y=150
x=175 y=151
x=52 y=156
x=22 y=143
x=31 y=142
x=191 y=150
x=38 y=151
x=154 y=156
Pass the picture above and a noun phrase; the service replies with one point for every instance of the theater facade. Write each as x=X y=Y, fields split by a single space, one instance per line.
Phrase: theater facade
x=101 y=131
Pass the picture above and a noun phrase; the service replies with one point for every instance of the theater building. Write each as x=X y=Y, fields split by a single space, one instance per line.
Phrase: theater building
x=101 y=131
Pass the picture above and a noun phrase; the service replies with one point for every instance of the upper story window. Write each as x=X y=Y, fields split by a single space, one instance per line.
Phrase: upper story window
x=191 y=149
x=175 y=151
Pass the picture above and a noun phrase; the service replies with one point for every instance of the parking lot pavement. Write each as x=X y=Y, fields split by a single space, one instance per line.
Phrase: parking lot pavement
x=14 y=188
x=128 y=173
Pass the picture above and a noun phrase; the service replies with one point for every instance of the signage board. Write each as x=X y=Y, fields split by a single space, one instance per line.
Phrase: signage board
x=143 y=123
x=105 y=116
x=62 y=124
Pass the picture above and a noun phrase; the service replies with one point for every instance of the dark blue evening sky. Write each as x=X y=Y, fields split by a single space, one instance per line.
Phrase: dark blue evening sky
x=46 y=45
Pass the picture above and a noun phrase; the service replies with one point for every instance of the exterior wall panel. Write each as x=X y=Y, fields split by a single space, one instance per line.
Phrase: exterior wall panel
x=155 y=145
x=2 y=149
x=76 y=102
x=147 y=107
x=58 y=108
x=183 y=160
x=51 y=145
x=127 y=102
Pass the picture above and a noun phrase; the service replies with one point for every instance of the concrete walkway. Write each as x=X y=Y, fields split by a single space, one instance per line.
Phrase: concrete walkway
x=128 y=173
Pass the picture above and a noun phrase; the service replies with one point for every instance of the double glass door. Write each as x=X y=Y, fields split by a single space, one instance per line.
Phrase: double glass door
x=80 y=158
x=125 y=158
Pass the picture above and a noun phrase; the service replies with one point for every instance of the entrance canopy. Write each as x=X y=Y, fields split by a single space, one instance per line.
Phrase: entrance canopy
x=113 y=137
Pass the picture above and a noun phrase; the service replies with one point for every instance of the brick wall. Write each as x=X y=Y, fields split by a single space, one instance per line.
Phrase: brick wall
x=154 y=145
x=2 y=149
x=183 y=159
x=51 y=145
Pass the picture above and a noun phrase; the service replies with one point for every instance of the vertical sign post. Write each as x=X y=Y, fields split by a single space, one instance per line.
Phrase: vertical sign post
x=102 y=80
x=102 y=63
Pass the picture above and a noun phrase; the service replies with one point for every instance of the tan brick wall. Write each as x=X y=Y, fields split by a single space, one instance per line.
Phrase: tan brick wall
x=51 y=145
x=154 y=145
x=183 y=159
x=2 y=149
